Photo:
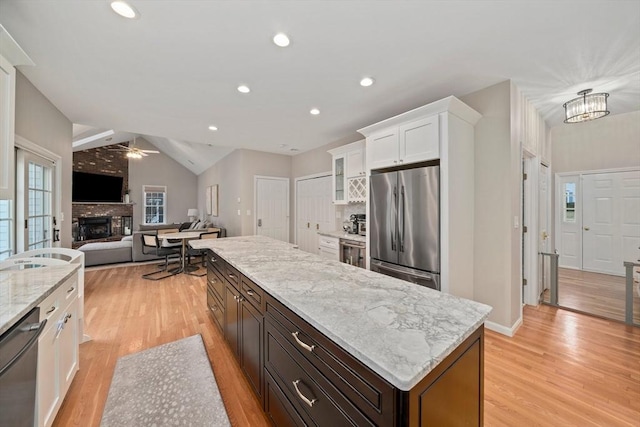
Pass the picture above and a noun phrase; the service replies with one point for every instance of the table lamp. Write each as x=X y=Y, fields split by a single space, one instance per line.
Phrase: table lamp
x=192 y=214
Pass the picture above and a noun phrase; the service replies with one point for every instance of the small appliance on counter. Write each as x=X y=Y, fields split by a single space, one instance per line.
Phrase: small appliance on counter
x=356 y=223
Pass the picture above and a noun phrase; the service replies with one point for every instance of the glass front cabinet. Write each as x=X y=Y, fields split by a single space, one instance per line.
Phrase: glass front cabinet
x=339 y=179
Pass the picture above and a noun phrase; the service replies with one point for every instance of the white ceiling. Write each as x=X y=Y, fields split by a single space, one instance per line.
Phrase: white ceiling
x=173 y=72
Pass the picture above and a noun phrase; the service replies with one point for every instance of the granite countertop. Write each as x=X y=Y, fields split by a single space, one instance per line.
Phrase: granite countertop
x=399 y=330
x=22 y=290
x=344 y=235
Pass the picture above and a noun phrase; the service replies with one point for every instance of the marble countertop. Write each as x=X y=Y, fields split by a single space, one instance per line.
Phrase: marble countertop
x=22 y=290
x=344 y=235
x=399 y=330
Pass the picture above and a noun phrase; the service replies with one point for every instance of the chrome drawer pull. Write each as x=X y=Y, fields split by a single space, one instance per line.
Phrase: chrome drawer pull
x=51 y=310
x=71 y=289
x=232 y=276
x=302 y=396
x=213 y=260
x=301 y=344
x=213 y=308
x=250 y=292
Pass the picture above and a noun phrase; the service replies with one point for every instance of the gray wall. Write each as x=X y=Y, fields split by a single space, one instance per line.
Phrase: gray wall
x=607 y=143
x=40 y=122
x=160 y=169
x=234 y=175
x=497 y=261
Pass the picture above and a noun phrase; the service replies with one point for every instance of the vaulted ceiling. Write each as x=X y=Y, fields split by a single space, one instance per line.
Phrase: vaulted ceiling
x=173 y=72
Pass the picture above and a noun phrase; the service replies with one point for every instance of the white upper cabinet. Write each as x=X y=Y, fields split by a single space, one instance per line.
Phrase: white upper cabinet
x=411 y=142
x=349 y=173
x=11 y=55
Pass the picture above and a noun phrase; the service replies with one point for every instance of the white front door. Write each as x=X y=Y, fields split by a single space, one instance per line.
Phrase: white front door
x=569 y=223
x=314 y=211
x=272 y=207
x=35 y=187
x=611 y=221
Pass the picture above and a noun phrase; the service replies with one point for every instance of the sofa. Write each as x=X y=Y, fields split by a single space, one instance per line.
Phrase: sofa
x=129 y=248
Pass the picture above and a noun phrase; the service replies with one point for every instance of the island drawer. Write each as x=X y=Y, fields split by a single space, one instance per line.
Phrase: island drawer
x=316 y=400
x=368 y=391
x=59 y=299
x=277 y=407
x=253 y=293
x=215 y=308
x=216 y=262
x=233 y=276
x=215 y=283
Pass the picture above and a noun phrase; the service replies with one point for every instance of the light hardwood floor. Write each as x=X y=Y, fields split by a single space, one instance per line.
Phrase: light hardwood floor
x=561 y=368
x=594 y=293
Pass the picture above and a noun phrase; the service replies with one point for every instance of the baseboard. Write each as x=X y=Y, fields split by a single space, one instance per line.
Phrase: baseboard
x=504 y=330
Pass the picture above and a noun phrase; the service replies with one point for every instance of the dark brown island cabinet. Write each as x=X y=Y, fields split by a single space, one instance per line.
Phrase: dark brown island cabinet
x=303 y=378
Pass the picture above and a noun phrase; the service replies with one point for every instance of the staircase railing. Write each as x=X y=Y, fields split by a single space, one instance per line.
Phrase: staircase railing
x=628 y=295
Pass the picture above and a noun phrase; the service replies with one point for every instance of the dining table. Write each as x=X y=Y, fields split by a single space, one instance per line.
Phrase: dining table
x=183 y=236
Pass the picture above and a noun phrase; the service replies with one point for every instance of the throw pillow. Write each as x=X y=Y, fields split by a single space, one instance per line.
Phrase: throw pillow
x=194 y=225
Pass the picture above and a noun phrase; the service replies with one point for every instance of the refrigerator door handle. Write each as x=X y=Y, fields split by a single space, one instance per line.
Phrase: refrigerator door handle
x=401 y=227
x=394 y=206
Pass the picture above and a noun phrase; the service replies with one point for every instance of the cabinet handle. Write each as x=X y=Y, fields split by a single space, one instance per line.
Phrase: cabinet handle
x=214 y=260
x=302 y=396
x=401 y=160
x=300 y=343
x=51 y=310
x=213 y=307
x=250 y=292
x=395 y=161
x=240 y=298
x=67 y=317
x=232 y=276
x=71 y=289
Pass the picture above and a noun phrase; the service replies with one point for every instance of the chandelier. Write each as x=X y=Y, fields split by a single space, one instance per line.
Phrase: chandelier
x=588 y=106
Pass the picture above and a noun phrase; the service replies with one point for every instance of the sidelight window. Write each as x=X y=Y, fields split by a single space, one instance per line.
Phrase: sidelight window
x=569 y=208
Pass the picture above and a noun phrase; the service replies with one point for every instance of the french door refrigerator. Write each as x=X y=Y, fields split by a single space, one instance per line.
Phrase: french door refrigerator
x=404 y=225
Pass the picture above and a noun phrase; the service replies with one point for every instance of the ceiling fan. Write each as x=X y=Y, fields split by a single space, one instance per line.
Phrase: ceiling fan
x=133 y=152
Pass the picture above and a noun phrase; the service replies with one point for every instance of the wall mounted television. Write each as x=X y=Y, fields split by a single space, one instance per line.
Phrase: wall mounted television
x=92 y=187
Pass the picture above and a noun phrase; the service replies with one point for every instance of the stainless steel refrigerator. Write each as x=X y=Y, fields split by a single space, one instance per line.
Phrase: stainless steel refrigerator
x=404 y=224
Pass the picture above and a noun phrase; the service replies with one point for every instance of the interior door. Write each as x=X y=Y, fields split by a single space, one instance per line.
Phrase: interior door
x=272 y=207
x=544 y=244
x=34 y=185
x=569 y=211
x=611 y=221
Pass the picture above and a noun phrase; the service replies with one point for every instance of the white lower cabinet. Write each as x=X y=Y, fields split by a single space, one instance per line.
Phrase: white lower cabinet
x=329 y=247
x=58 y=350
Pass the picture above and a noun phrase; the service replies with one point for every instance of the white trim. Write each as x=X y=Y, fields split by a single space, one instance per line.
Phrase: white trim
x=255 y=201
x=295 y=199
x=530 y=244
x=596 y=171
x=33 y=148
x=504 y=330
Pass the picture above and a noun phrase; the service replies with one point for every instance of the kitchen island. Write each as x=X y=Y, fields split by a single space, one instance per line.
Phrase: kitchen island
x=319 y=340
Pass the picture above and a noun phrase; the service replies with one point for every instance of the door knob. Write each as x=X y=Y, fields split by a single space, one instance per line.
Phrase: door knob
x=586 y=228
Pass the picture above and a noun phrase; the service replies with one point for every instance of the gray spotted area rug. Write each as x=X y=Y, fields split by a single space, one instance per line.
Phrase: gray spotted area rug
x=168 y=385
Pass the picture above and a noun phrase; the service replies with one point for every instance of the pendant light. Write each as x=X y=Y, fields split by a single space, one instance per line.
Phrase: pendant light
x=588 y=106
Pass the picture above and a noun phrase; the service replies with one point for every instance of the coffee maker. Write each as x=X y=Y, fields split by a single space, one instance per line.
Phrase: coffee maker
x=358 y=224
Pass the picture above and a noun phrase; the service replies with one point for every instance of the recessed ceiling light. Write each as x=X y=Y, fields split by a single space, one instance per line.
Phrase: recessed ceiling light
x=212 y=127
x=366 y=82
x=314 y=111
x=281 y=40
x=244 y=89
x=124 y=9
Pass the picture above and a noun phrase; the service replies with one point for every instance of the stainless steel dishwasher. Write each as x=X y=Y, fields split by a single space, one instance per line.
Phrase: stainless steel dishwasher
x=18 y=370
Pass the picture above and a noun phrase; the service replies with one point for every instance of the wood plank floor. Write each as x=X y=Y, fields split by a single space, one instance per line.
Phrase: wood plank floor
x=594 y=293
x=561 y=368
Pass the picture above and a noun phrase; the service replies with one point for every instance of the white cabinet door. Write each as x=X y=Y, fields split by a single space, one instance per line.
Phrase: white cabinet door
x=68 y=342
x=7 y=123
x=48 y=390
x=340 y=179
x=419 y=140
x=355 y=163
x=382 y=149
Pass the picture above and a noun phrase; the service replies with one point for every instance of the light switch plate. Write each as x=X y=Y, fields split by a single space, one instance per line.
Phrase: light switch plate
x=239 y=213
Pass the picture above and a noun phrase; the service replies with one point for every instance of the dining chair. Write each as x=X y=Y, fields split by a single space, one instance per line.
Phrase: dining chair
x=151 y=245
x=201 y=252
